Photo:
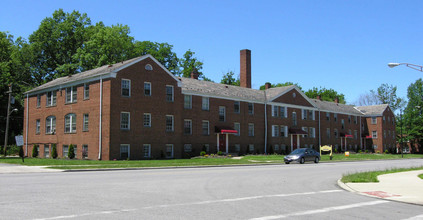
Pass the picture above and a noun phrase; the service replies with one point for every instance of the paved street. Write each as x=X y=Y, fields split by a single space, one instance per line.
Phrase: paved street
x=294 y=191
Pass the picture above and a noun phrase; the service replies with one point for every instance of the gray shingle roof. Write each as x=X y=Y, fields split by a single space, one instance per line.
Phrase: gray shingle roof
x=216 y=89
x=274 y=92
x=373 y=110
x=84 y=75
x=336 y=107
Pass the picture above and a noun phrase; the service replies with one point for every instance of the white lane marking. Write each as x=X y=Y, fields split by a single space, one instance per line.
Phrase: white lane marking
x=417 y=217
x=323 y=210
x=192 y=203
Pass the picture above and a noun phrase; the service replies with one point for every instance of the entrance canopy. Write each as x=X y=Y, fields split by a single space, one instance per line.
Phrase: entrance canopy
x=225 y=130
x=296 y=131
x=345 y=135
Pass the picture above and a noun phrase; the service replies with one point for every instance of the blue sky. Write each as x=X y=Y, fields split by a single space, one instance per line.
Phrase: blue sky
x=344 y=45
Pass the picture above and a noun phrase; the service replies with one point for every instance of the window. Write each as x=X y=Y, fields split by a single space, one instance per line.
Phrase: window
x=251 y=148
x=327 y=116
x=304 y=114
x=205 y=104
x=169 y=150
x=384 y=133
x=237 y=127
x=384 y=121
x=306 y=130
x=355 y=134
x=222 y=113
x=169 y=123
x=275 y=131
x=312 y=132
x=335 y=117
x=311 y=115
x=284 y=131
x=37 y=126
x=294 y=119
x=276 y=147
x=169 y=93
x=50 y=125
x=71 y=93
x=205 y=127
x=342 y=124
x=206 y=147
x=374 y=134
x=283 y=112
x=374 y=120
x=250 y=108
x=355 y=119
x=86 y=91
x=75 y=150
x=187 y=126
x=46 y=151
x=70 y=123
x=349 y=119
x=147 y=120
x=274 y=111
x=187 y=101
x=84 y=151
x=237 y=107
x=148 y=67
x=187 y=148
x=250 y=129
x=125 y=121
x=335 y=132
x=328 y=133
x=85 y=124
x=393 y=134
x=147 y=88
x=237 y=148
x=38 y=101
x=65 y=151
x=124 y=151
x=126 y=88
x=51 y=98
x=389 y=119
x=147 y=150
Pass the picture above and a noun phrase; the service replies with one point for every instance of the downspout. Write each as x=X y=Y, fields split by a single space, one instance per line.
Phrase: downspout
x=361 y=138
x=320 y=134
x=99 y=124
x=26 y=130
x=265 y=123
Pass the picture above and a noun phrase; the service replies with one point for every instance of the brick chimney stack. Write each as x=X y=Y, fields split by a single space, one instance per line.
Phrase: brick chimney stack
x=267 y=86
x=194 y=74
x=318 y=97
x=336 y=100
x=245 y=68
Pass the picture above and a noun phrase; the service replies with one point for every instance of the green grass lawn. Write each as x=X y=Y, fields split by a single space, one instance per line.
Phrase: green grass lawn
x=371 y=176
x=250 y=159
x=421 y=176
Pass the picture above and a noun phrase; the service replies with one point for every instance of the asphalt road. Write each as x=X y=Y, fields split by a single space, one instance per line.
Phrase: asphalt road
x=294 y=191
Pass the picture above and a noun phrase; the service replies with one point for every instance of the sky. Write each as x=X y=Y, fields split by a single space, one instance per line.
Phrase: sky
x=344 y=45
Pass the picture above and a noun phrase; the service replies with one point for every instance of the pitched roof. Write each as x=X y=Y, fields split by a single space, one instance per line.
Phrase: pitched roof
x=336 y=107
x=221 y=90
x=373 y=110
x=273 y=93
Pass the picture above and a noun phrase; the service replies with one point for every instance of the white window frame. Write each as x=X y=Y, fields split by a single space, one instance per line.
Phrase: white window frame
x=122 y=126
x=251 y=148
x=306 y=130
x=251 y=112
x=285 y=111
x=188 y=122
x=312 y=132
x=374 y=134
x=237 y=103
x=51 y=98
x=173 y=123
x=85 y=122
x=38 y=100
x=205 y=105
x=222 y=109
x=86 y=91
x=187 y=101
x=304 y=113
x=275 y=111
x=327 y=116
x=335 y=117
x=237 y=127
x=147 y=123
x=122 y=87
x=150 y=89
x=71 y=94
x=187 y=148
x=72 y=122
x=46 y=152
x=129 y=151
x=173 y=93
x=84 y=148
x=374 y=120
x=285 y=130
x=251 y=129
x=37 y=126
x=208 y=127
x=171 y=152
x=146 y=150
x=275 y=130
x=49 y=121
x=294 y=119
x=63 y=151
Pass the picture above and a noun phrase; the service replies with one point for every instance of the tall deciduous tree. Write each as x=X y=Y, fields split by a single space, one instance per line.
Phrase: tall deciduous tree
x=229 y=79
x=280 y=85
x=189 y=63
x=161 y=51
x=325 y=94
x=387 y=94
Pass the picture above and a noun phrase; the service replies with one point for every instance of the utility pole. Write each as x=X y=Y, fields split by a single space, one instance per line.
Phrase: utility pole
x=7 y=120
x=402 y=141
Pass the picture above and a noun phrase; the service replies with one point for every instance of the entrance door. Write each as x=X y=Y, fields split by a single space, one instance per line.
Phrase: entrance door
x=294 y=142
x=222 y=142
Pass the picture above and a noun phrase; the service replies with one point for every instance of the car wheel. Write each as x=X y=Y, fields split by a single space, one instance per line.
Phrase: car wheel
x=316 y=160
x=302 y=160
x=286 y=162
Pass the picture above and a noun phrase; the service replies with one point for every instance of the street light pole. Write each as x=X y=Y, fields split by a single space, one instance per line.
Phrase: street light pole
x=412 y=66
x=7 y=120
x=402 y=141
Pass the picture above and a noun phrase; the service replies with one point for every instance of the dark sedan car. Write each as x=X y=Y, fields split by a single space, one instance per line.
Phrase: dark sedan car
x=302 y=155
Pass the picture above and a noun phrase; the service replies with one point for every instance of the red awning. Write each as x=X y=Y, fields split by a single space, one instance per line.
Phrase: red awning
x=348 y=136
x=225 y=130
x=296 y=131
x=369 y=137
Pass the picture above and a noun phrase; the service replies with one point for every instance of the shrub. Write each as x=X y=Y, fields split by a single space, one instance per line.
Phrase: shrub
x=35 y=150
x=71 y=152
x=359 y=151
x=367 y=151
x=202 y=153
x=53 y=151
x=378 y=152
x=220 y=153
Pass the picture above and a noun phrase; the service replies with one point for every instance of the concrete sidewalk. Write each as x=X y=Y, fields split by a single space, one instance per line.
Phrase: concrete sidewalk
x=403 y=187
x=14 y=168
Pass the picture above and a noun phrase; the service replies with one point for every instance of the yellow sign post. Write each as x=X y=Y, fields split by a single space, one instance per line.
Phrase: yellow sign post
x=326 y=148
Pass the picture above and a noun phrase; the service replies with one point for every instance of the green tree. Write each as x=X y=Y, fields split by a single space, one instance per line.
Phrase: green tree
x=387 y=94
x=189 y=63
x=161 y=51
x=53 y=151
x=325 y=94
x=71 y=152
x=262 y=87
x=229 y=79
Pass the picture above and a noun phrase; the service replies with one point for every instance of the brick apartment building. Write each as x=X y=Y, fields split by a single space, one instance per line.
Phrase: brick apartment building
x=137 y=109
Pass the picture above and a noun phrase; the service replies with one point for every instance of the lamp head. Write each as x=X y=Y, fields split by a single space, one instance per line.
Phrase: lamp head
x=392 y=65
